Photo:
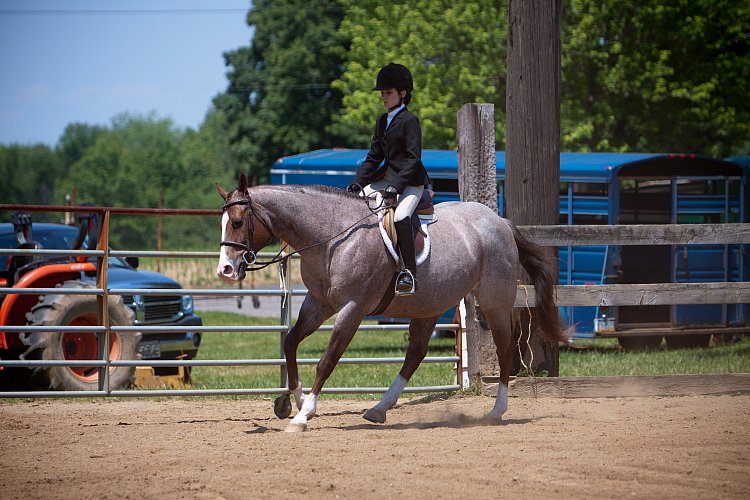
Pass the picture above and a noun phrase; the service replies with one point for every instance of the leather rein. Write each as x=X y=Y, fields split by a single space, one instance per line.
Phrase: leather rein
x=249 y=257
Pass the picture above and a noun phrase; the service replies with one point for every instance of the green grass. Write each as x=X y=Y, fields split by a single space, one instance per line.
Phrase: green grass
x=231 y=345
x=597 y=358
x=605 y=357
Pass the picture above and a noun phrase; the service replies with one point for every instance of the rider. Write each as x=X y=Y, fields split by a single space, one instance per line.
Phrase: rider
x=397 y=140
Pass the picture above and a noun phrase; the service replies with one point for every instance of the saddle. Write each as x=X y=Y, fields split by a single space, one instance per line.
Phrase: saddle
x=424 y=216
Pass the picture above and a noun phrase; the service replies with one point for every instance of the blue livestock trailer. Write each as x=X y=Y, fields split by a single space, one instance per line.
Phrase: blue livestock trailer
x=611 y=188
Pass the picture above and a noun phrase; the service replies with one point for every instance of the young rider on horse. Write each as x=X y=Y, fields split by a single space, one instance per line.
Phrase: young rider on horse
x=397 y=140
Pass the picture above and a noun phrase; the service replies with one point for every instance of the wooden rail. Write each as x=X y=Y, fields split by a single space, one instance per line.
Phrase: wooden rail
x=640 y=294
x=638 y=234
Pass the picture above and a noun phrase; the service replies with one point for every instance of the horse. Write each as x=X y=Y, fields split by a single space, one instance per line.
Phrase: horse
x=346 y=269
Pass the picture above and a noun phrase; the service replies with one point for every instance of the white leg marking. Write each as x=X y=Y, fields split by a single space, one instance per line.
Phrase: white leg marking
x=299 y=398
x=299 y=422
x=501 y=403
x=377 y=413
x=392 y=394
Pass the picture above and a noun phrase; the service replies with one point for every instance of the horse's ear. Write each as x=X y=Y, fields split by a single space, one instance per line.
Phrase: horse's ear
x=242 y=187
x=221 y=192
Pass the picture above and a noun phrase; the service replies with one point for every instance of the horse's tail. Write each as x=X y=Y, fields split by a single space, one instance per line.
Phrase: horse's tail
x=541 y=269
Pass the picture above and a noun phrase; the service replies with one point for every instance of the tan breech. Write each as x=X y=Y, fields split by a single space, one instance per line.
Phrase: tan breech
x=406 y=202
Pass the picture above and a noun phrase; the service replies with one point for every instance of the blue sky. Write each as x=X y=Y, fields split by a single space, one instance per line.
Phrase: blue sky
x=71 y=62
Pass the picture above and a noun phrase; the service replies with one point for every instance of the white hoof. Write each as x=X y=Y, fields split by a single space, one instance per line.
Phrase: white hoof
x=296 y=427
x=375 y=415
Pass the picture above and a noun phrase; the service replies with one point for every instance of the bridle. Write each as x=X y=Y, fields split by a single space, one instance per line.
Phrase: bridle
x=249 y=258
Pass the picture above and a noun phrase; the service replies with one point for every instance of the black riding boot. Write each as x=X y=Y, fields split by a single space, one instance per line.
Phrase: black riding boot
x=406 y=283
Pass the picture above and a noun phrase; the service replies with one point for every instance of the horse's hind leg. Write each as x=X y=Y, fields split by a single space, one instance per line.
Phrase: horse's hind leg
x=420 y=330
x=502 y=335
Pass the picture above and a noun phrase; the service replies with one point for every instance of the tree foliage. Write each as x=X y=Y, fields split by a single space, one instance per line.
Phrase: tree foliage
x=138 y=161
x=455 y=51
x=656 y=76
x=28 y=173
x=279 y=100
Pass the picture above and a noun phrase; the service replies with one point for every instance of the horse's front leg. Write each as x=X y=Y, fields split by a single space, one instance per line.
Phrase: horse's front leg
x=312 y=314
x=344 y=328
x=419 y=338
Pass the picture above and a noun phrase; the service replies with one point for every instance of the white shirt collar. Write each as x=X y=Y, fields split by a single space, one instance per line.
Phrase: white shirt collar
x=393 y=113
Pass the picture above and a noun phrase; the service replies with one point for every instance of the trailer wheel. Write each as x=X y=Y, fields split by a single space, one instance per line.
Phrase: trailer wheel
x=78 y=310
x=639 y=342
x=688 y=341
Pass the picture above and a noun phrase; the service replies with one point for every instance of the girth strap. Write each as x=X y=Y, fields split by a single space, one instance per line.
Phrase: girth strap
x=390 y=292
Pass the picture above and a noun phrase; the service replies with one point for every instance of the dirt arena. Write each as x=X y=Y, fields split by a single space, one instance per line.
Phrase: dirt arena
x=433 y=447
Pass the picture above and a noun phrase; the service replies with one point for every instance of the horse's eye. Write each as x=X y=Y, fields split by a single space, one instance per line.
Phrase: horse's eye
x=236 y=223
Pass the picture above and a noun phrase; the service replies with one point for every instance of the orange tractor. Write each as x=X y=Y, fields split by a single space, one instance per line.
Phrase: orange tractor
x=58 y=272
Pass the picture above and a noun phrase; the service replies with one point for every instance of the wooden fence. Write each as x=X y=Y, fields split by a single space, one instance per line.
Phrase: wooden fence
x=641 y=294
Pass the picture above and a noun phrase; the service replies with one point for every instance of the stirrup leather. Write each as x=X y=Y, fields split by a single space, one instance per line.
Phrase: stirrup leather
x=406 y=284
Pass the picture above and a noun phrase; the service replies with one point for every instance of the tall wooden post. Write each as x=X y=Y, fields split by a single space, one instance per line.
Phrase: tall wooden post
x=532 y=159
x=475 y=135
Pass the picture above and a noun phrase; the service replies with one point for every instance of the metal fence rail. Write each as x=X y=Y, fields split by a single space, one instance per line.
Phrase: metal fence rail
x=668 y=293
x=102 y=331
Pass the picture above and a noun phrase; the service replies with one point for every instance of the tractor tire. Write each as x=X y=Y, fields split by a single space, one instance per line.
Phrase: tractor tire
x=78 y=310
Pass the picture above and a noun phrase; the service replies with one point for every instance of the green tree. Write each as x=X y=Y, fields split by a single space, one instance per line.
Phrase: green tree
x=129 y=165
x=456 y=52
x=279 y=100
x=206 y=160
x=656 y=76
x=28 y=174
x=75 y=140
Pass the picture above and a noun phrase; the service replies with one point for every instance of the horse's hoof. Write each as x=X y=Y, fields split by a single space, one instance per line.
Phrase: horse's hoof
x=296 y=427
x=375 y=415
x=282 y=407
x=495 y=417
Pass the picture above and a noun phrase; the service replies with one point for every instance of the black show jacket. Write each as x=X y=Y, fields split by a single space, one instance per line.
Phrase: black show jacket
x=401 y=148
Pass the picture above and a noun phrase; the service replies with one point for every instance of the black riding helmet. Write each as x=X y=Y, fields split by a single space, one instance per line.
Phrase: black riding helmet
x=394 y=76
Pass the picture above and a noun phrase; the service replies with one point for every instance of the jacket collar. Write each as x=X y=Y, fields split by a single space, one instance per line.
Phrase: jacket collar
x=398 y=116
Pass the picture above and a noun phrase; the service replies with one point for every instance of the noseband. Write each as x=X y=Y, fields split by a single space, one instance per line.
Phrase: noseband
x=248 y=256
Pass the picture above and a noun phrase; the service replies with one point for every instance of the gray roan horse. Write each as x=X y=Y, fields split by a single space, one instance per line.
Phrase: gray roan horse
x=346 y=269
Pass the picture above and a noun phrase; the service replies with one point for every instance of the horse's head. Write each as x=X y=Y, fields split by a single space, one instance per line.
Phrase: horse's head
x=239 y=238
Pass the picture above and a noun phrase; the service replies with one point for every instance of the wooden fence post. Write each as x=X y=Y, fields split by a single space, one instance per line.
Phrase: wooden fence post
x=475 y=134
x=532 y=153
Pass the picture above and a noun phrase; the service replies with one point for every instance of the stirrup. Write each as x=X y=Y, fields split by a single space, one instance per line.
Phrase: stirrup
x=403 y=288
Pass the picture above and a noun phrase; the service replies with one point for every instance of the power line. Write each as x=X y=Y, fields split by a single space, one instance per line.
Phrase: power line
x=61 y=12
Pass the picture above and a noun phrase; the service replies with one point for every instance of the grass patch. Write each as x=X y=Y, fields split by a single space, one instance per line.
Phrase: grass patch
x=602 y=357
x=605 y=357
x=232 y=345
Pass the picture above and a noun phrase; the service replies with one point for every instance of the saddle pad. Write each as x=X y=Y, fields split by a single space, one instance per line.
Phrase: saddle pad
x=422 y=240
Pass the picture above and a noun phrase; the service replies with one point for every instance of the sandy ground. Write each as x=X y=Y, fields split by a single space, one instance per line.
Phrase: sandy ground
x=433 y=447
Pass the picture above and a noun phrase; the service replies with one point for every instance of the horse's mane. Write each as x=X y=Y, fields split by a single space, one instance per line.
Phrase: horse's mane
x=315 y=188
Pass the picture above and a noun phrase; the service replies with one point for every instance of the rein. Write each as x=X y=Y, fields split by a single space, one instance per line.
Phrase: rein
x=249 y=258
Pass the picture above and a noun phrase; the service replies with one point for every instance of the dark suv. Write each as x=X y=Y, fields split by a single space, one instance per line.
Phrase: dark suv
x=147 y=310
